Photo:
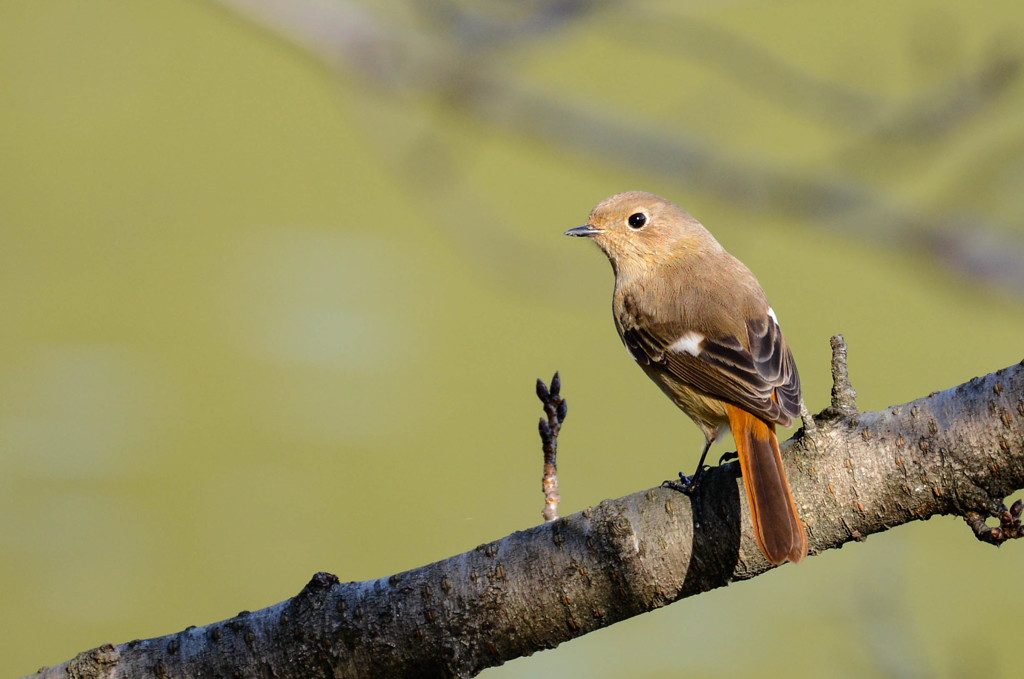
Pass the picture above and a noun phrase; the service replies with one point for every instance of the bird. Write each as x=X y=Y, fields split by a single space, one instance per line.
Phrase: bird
x=699 y=324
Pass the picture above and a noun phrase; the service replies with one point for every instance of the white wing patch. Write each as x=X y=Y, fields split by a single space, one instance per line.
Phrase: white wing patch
x=771 y=312
x=689 y=343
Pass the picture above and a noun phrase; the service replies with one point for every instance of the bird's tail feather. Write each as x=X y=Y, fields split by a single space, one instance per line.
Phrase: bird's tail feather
x=777 y=526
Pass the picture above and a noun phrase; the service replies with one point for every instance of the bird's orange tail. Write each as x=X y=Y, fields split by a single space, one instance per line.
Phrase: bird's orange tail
x=777 y=526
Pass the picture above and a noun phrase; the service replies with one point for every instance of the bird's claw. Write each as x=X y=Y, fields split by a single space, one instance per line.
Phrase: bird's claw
x=687 y=485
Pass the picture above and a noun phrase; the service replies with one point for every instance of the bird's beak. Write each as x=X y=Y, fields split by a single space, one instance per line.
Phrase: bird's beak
x=585 y=230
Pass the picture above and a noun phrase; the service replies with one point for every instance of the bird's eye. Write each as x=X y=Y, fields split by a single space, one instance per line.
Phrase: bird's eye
x=637 y=220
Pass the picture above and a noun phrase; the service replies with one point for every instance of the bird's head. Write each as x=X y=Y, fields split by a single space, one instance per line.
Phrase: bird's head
x=641 y=231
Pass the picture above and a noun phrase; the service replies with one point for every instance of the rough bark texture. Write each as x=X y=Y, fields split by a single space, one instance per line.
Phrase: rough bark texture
x=960 y=452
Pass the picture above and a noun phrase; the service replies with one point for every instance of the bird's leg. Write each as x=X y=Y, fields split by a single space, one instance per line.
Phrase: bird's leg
x=688 y=484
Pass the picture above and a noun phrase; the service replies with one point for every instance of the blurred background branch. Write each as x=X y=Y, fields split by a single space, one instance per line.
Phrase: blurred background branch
x=455 y=55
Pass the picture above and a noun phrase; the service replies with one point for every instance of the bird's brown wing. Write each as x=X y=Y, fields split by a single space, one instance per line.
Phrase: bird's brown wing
x=762 y=380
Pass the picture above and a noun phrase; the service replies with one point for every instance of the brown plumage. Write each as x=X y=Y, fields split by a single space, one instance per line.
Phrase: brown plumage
x=699 y=324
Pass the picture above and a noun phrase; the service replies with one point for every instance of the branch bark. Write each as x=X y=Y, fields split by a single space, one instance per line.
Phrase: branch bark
x=957 y=452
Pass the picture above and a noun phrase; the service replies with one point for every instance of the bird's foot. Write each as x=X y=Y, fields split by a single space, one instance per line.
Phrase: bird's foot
x=687 y=485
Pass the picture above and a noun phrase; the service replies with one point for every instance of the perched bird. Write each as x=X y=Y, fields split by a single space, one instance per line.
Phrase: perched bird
x=699 y=324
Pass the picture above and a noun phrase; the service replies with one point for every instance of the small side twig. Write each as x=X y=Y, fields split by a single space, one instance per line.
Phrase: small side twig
x=555 y=408
x=1009 y=527
x=844 y=397
x=810 y=427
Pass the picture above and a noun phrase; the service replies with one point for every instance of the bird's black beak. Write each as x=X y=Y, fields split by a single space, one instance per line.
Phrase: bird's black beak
x=585 y=230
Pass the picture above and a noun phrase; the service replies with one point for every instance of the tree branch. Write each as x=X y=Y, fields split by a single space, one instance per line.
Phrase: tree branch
x=958 y=452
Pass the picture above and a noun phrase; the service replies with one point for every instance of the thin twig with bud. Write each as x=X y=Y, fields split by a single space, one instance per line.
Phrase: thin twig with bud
x=555 y=408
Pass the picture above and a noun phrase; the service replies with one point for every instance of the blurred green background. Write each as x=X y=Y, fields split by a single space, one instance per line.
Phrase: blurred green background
x=275 y=291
